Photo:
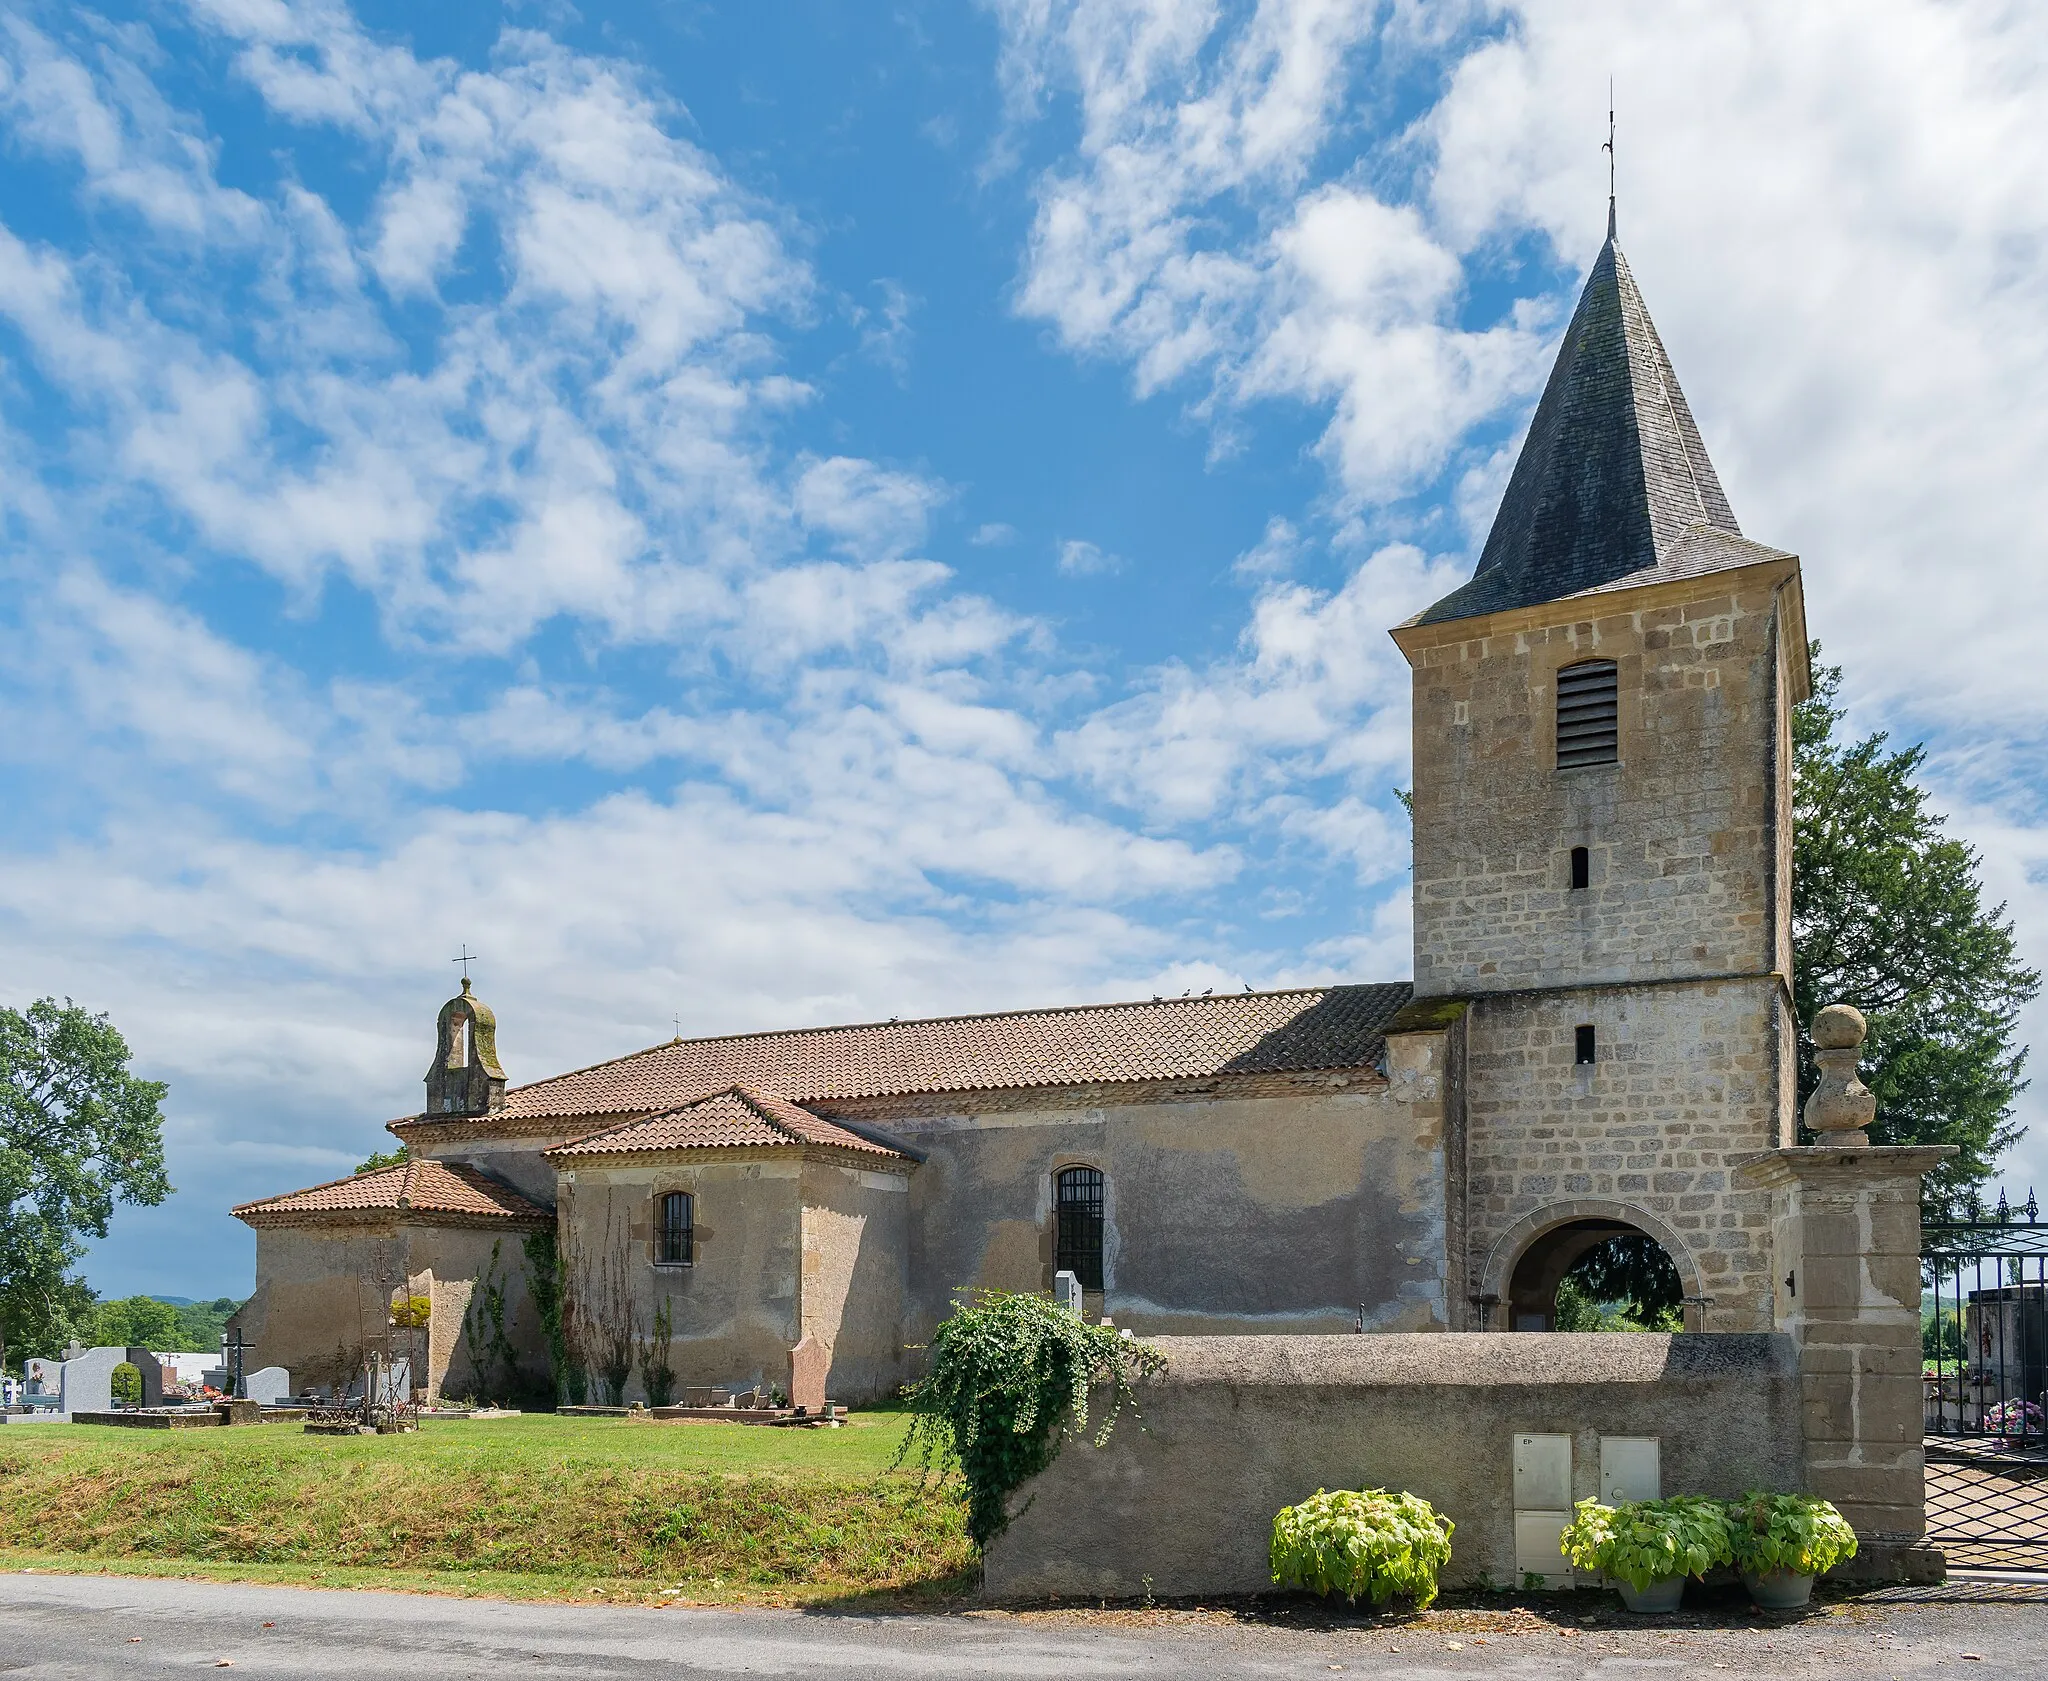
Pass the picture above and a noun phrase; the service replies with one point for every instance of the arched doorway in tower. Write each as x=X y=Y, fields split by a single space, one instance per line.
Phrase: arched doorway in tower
x=1595 y=1274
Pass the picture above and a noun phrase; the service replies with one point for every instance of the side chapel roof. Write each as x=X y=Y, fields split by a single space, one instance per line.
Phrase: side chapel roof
x=1613 y=488
x=420 y=1185
x=1173 y=1038
x=737 y=1117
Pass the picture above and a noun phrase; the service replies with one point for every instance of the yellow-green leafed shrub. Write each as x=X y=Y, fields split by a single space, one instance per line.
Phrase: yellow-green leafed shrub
x=1645 y=1541
x=1791 y=1532
x=1362 y=1543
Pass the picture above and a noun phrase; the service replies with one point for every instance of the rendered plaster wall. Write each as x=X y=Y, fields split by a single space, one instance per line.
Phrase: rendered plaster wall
x=1240 y=1426
x=1686 y=1081
x=322 y=1292
x=1223 y=1214
x=856 y=1276
x=1688 y=835
x=735 y=1307
x=516 y=1161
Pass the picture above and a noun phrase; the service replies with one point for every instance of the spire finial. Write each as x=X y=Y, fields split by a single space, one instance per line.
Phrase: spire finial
x=466 y=959
x=1609 y=150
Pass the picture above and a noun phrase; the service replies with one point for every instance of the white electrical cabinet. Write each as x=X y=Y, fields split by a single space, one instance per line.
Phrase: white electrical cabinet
x=1543 y=1506
x=1630 y=1469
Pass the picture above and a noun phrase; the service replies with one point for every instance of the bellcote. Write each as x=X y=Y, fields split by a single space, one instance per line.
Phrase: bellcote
x=465 y=1078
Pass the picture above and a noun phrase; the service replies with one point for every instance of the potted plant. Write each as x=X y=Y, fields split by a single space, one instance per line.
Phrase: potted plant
x=1362 y=1543
x=1782 y=1541
x=1647 y=1548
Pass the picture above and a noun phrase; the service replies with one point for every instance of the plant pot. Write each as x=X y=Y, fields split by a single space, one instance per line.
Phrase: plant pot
x=1660 y=1596
x=1778 y=1590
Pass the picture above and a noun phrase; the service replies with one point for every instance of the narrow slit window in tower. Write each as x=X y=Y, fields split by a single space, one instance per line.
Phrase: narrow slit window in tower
x=1582 y=1050
x=1582 y=868
x=1588 y=714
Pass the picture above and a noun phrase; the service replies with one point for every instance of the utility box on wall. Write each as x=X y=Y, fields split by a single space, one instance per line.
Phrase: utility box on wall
x=1630 y=1469
x=1543 y=1506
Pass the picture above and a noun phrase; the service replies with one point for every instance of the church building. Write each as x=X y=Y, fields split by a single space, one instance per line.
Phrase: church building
x=1600 y=1024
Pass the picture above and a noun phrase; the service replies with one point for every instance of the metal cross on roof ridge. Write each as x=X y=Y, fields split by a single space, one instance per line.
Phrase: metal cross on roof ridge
x=466 y=959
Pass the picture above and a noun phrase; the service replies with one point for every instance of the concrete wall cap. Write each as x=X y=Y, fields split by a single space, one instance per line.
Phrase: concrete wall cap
x=1467 y=1359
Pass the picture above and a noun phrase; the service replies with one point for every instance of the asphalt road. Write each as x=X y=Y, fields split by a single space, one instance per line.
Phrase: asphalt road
x=61 y=1626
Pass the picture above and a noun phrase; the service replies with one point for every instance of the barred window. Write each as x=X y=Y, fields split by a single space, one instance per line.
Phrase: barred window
x=1588 y=714
x=673 y=1247
x=1078 y=1242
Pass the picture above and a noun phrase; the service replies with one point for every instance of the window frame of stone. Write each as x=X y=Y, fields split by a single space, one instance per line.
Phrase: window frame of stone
x=663 y=1230
x=1068 y=1256
x=1591 y=735
x=1585 y=1045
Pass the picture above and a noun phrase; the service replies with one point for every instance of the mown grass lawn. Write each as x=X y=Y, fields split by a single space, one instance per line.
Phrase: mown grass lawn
x=523 y=1507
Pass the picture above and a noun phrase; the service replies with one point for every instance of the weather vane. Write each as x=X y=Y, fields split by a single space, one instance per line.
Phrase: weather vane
x=466 y=959
x=1609 y=147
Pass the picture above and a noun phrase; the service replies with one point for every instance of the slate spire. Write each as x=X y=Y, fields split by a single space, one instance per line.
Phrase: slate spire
x=1613 y=481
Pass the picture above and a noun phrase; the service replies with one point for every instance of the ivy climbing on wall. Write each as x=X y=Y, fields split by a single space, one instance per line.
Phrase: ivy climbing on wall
x=1008 y=1383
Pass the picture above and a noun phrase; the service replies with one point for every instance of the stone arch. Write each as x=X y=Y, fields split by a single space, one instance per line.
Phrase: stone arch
x=1572 y=1228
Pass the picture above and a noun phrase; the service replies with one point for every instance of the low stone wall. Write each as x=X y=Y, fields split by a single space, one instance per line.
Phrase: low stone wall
x=1240 y=1426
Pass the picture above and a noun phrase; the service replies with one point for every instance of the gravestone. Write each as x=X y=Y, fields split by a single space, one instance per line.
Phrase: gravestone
x=1066 y=1290
x=809 y=1362
x=271 y=1385
x=85 y=1384
x=152 y=1372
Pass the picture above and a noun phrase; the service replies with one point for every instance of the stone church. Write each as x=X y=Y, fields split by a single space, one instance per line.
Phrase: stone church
x=1600 y=1024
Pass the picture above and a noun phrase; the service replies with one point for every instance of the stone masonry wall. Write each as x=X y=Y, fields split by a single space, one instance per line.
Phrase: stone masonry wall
x=1685 y=1083
x=1684 y=834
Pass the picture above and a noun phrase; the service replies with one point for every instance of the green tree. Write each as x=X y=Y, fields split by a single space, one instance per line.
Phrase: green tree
x=134 y=1322
x=1888 y=915
x=200 y=1324
x=78 y=1133
x=383 y=1158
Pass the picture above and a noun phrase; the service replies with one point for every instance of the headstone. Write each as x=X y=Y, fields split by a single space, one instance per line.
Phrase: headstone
x=1066 y=1290
x=697 y=1395
x=152 y=1373
x=86 y=1384
x=809 y=1362
x=271 y=1385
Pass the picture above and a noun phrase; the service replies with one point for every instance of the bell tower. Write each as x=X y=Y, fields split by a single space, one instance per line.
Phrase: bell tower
x=1602 y=806
x=465 y=1078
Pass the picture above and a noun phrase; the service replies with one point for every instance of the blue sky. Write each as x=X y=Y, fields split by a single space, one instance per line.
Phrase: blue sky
x=755 y=515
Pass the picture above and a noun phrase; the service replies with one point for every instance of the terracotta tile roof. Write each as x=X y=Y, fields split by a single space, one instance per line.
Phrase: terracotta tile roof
x=739 y=1115
x=1166 y=1039
x=422 y=1185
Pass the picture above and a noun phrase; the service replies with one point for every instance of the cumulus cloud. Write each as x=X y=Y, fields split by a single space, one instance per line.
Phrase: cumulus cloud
x=1077 y=558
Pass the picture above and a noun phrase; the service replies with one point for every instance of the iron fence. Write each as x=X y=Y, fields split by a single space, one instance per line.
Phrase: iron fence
x=1984 y=1348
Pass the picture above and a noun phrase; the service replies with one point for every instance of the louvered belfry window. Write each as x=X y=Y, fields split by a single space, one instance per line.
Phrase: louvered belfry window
x=1588 y=714
x=1078 y=1242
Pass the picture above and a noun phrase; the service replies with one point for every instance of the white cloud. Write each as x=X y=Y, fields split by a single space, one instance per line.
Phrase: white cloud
x=993 y=535
x=1077 y=558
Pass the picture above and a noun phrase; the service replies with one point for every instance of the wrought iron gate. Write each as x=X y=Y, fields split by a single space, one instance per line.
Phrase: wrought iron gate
x=1985 y=1345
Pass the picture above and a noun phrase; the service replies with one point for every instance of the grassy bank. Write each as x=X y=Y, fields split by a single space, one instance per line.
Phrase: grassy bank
x=518 y=1506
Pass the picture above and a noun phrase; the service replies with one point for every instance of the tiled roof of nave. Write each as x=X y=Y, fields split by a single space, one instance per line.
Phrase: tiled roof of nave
x=1174 y=1038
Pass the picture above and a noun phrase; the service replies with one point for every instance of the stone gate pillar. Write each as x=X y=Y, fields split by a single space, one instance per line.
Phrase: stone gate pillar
x=1847 y=1236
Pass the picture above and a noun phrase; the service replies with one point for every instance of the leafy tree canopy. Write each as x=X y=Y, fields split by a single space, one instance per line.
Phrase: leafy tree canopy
x=78 y=1133
x=137 y=1322
x=1888 y=915
x=382 y=1158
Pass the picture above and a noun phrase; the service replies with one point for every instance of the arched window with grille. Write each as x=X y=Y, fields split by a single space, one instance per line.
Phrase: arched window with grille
x=1077 y=1246
x=673 y=1244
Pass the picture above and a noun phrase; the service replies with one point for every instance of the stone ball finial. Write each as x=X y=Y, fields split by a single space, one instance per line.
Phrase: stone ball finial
x=1841 y=1106
x=1839 y=1027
